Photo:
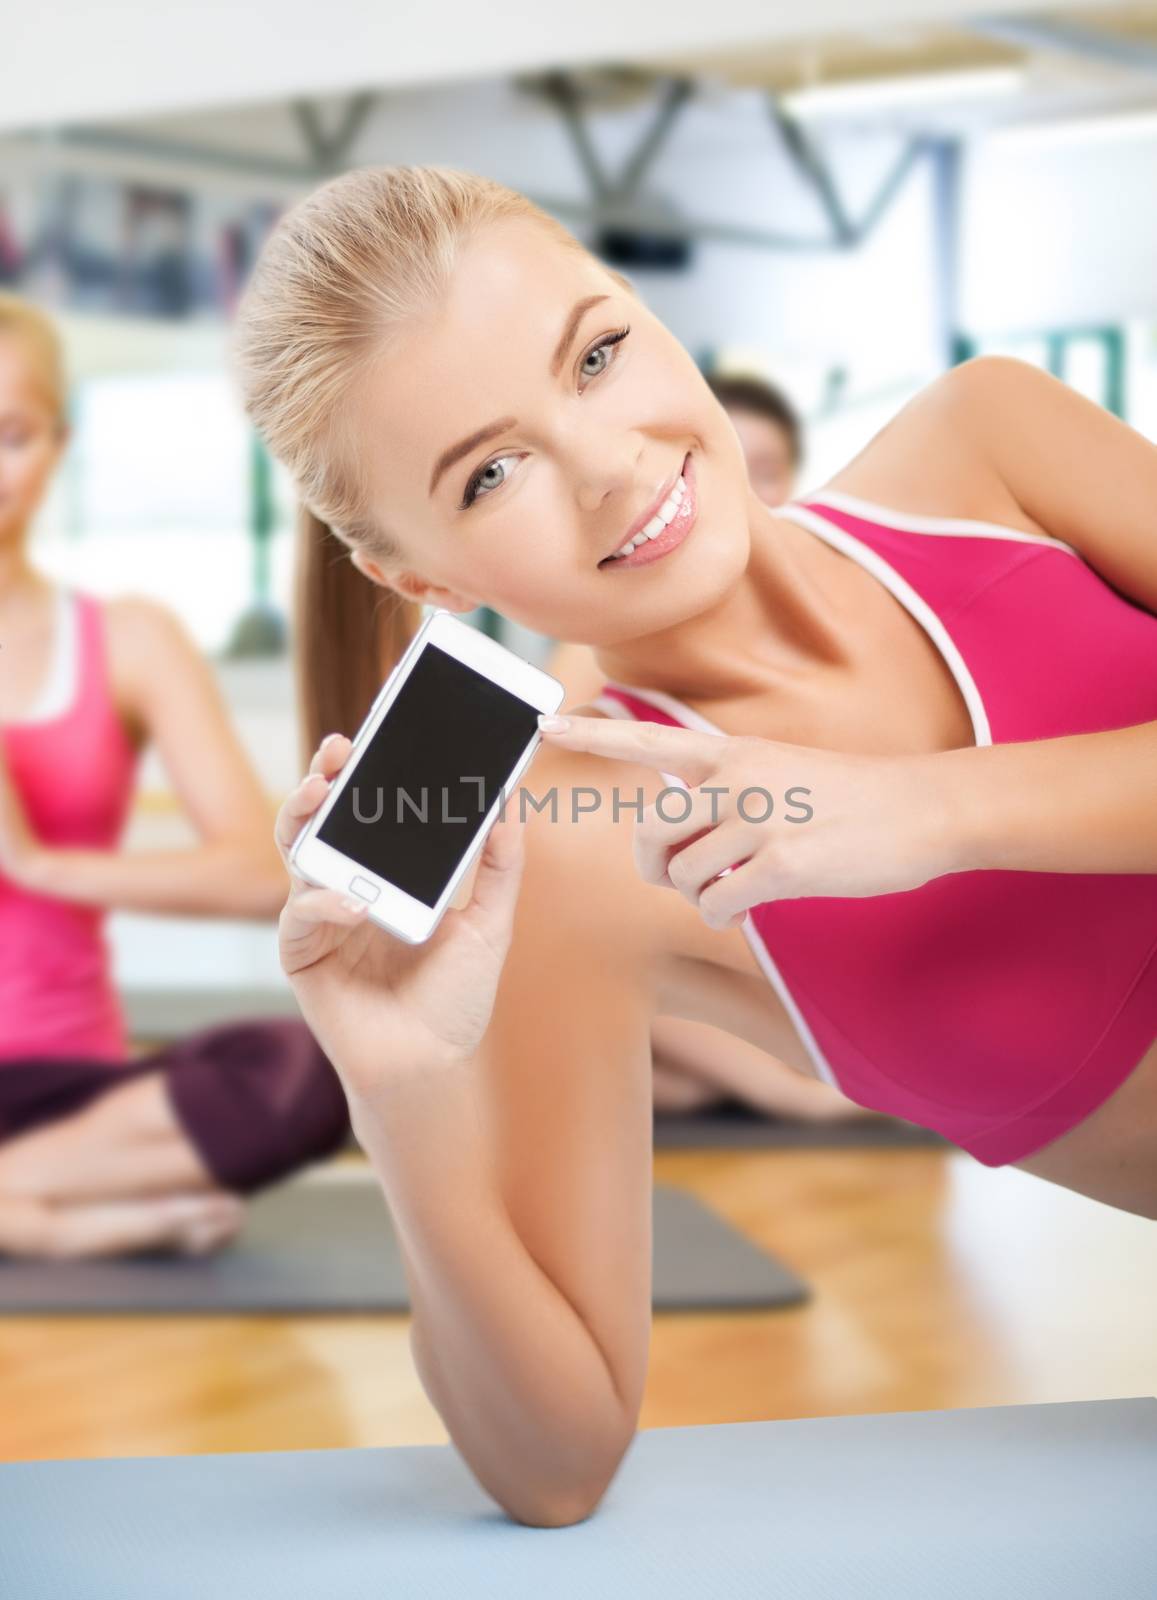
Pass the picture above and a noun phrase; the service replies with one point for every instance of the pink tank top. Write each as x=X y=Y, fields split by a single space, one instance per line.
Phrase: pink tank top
x=998 y=1008
x=74 y=772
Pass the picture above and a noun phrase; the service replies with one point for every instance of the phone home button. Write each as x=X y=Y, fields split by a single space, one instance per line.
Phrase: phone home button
x=364 y=888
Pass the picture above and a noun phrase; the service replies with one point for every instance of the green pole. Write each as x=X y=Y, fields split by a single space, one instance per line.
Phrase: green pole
x=1055 y=354
x=261 y=518
x=1114 y=371
x=960 y=348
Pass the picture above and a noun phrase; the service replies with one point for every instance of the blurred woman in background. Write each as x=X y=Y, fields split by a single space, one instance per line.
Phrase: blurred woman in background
x=694 y=1064
x=769 y=430
x=99 y=1152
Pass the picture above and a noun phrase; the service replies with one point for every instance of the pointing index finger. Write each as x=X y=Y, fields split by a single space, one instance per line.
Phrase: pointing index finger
x=683 y=751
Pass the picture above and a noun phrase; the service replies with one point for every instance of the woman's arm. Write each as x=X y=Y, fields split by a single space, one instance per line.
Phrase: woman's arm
x=235 y=869
x=498 y=1076
x=521 y=1187
x=1084 y=803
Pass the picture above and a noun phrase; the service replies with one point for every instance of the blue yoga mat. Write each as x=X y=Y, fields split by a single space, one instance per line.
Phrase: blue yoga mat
x=1010 y=1503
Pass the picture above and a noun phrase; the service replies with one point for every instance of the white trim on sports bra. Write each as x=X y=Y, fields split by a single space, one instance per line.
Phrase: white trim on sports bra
x=59 y=691
x=676 y=709
x=912 y=602
x=908 y=523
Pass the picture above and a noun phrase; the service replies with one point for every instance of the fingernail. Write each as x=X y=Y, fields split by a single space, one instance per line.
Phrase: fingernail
x=554 y=724
x=329 y=738
x=355 y=905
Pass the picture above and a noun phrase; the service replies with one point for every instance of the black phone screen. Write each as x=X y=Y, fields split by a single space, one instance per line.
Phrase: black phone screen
x=427 y=778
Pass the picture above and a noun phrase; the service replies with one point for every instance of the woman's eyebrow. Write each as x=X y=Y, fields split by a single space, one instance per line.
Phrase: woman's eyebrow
x=568 y=333
x=464 y=446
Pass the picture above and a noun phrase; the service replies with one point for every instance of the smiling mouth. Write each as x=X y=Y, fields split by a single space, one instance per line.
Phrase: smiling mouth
x=666 y=530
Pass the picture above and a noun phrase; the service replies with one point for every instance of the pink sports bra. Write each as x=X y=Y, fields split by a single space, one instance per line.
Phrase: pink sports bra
x=998 y=1008
x=73 y=767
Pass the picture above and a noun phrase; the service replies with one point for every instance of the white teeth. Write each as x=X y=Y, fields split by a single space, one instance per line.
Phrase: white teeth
x=658 y=522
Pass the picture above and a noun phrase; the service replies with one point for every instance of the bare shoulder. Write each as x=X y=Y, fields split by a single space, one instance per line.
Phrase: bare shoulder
x=150 y=650
x=932 y=458
x=143 y=633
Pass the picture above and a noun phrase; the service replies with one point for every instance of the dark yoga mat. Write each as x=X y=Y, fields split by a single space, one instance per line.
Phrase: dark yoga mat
x=1013 y=1503
x=733 y=1125
x=328 y=1247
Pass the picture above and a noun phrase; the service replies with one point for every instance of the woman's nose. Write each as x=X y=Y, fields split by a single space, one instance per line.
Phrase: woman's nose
x=605 y=470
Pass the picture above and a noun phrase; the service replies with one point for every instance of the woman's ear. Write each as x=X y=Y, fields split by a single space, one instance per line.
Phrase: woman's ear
x=369 y=568
x=410 y=585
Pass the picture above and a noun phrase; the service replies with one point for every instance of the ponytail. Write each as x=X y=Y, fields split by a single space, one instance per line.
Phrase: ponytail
x=349 y=634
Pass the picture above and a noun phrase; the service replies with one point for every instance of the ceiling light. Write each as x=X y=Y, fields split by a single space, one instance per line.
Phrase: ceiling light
x=1105 y=129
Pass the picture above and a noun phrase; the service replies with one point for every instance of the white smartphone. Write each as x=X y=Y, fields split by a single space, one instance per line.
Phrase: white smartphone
x=452 y=730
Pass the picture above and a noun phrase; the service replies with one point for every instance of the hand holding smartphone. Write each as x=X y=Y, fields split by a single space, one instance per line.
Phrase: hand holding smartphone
x=376 y=1004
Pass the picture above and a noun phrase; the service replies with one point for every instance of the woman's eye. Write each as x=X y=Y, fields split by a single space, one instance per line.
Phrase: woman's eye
x=484 y=480
x=604 y=345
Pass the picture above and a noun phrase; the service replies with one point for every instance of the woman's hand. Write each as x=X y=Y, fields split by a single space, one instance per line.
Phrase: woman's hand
x=377 y=1005
x=21 y=852
x=780 y=821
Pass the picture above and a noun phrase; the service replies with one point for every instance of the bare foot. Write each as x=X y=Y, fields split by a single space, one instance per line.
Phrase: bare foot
x=192 y=1224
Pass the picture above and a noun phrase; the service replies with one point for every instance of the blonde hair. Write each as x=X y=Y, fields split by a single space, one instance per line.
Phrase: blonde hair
x=22 y=320
x=355 y=261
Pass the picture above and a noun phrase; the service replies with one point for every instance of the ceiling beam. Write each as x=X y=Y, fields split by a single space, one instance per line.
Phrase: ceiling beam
x=57 y=142
x=813 y=169
x=1137 y=56
x=330 y=151
x=615 y=199
x=847 y=232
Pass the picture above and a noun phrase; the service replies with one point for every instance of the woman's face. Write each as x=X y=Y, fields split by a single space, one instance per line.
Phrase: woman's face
x=767 y=450
x=31 y=439
x=583 y=436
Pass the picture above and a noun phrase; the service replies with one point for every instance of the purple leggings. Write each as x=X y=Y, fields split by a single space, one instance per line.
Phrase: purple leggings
x=255 y=1099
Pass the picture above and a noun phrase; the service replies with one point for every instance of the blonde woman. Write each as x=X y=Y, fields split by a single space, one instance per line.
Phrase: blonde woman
x=962 y=685
x=101 y=1153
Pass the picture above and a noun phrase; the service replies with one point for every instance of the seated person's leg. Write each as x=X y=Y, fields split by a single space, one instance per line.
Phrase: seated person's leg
x=232 y=1108
x=673 y=1090
x=697 y=1064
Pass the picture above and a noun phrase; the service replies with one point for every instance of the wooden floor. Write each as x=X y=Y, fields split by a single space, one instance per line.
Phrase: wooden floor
x=936 y=1283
